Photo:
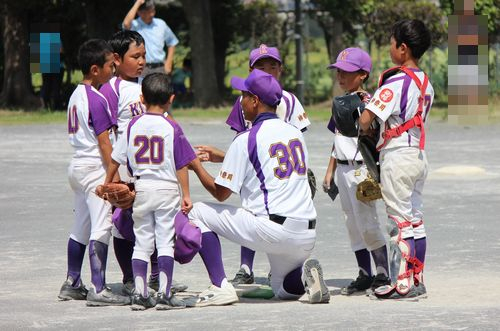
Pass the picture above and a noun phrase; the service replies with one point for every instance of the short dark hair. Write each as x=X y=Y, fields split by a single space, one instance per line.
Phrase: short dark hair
x=157 y=88
x=148 y=4
x=120 y=41
x=93 y=52
x=414 y=34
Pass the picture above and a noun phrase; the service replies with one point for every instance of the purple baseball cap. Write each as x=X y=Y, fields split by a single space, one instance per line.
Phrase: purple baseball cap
x=353 y=59
x=262 y=52
x=188 y=239
x=261 y=84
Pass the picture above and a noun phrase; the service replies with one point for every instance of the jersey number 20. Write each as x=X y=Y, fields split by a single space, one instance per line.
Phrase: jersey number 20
x=150 y=150
x=290 y=158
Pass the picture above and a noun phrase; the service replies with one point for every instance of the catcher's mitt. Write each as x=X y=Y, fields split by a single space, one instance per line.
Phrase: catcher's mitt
x=368 y=190
x=312 y=182
x=120 y=195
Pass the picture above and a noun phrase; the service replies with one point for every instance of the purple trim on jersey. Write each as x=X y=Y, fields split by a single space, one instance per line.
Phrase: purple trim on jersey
x=112 y=96
x=404 y=97
x=183 y=152
x=99 y=117
x=235 y=120
x=252 y=151
x=132 y=122
x=392 y=80
x=287 y=112
x=331 y=124
x=293 y=108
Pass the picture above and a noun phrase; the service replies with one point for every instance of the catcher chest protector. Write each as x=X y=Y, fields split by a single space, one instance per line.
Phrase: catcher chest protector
x=417 y=120
x=345 y=112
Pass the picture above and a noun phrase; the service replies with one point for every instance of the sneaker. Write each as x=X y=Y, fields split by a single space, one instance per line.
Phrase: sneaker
x=362 y=283
x=380 y=280
x=421 y=291
x=217 y=296
x=154 y=284
x=128 y=289
x=173 y=302
x=141 y=303
x=389 y=292
x=106 y=298
x=315 y=286
x=69 y=292
x=242 y=277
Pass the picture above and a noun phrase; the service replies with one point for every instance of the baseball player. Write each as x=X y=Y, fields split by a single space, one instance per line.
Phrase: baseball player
x=89 y=122
x=157 y=153
x=290 y=110
x=123 y=94
x=401 y=105
x=353 y=68
x=267 y=167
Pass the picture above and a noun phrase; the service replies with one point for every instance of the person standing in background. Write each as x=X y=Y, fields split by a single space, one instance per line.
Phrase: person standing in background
x=156 y=34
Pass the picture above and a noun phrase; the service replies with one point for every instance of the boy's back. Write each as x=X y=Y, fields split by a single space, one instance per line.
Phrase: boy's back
x=155 y=148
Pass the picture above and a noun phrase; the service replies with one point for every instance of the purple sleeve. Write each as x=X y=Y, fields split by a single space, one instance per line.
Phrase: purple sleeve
x=112 y=99
x=183 y=152
x=99 y=117
x=235 y=119
x=331 y=124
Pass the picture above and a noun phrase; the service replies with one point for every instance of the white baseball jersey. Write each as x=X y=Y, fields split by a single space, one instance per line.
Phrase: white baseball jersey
x=396 y=102
x=88 y=116
x=267 y=166
x=124 y=100
x=153 y=146
x=289 y=110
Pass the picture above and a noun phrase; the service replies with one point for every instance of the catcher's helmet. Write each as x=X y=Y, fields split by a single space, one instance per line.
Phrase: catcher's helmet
x=345 y=113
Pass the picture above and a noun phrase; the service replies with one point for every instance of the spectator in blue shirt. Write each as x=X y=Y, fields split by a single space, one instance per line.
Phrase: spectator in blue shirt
x=156 y=34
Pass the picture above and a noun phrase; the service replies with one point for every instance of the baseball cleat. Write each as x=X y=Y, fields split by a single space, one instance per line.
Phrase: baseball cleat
x=242 y=277
x=421 y=291
x=380 y=280
x=154 y=284
x=360 y=284
x=141 y=303
x=128 y=289
x=106 y=298
x=172 y=302
x=69 y=292
x=314 y=284
x=217 y=296
x=389 y=292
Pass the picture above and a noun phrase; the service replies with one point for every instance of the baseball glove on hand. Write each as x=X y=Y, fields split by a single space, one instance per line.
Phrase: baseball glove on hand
x=331 y=190
x=120 y=195
x=312 y=182
x=368 y=190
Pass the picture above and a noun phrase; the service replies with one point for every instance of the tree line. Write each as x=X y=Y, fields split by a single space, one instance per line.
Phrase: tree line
x=212 y=30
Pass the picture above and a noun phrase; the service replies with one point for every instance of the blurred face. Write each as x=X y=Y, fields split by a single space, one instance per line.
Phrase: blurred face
x=270 y=66
x=350 y=81
x=147 y=15
x=249 y=105
x=104 y=73
x=133 y=62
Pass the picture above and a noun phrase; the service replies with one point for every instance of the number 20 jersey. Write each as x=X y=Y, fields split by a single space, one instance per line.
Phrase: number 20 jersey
x=267 y=166
x=153 y=146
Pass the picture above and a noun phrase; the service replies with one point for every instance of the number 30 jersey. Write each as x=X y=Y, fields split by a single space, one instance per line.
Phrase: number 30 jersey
x=154 y=147
x=267 y=166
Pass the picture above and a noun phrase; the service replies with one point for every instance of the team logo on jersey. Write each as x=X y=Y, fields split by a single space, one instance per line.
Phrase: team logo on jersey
x=263 y=49
x=343 y=55
x=386 y=95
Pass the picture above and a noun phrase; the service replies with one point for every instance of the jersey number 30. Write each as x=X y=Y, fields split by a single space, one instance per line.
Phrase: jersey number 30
x=150 y=150
x=290 y=158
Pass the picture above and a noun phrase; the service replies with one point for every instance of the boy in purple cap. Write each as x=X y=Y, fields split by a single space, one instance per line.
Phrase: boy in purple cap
x=157 y=154
x=346 y=165
x=267 y=166
x=289 y=109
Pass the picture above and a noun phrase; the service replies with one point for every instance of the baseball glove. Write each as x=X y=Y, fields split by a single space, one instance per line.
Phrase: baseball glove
x=312 y=182
x=368 y=190
x=331 y=190
x=120 y=195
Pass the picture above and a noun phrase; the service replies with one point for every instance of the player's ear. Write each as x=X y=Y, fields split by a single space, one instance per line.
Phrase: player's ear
x=171 y=99
x=94 y=70
x=142 y=99
x=116 y=59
